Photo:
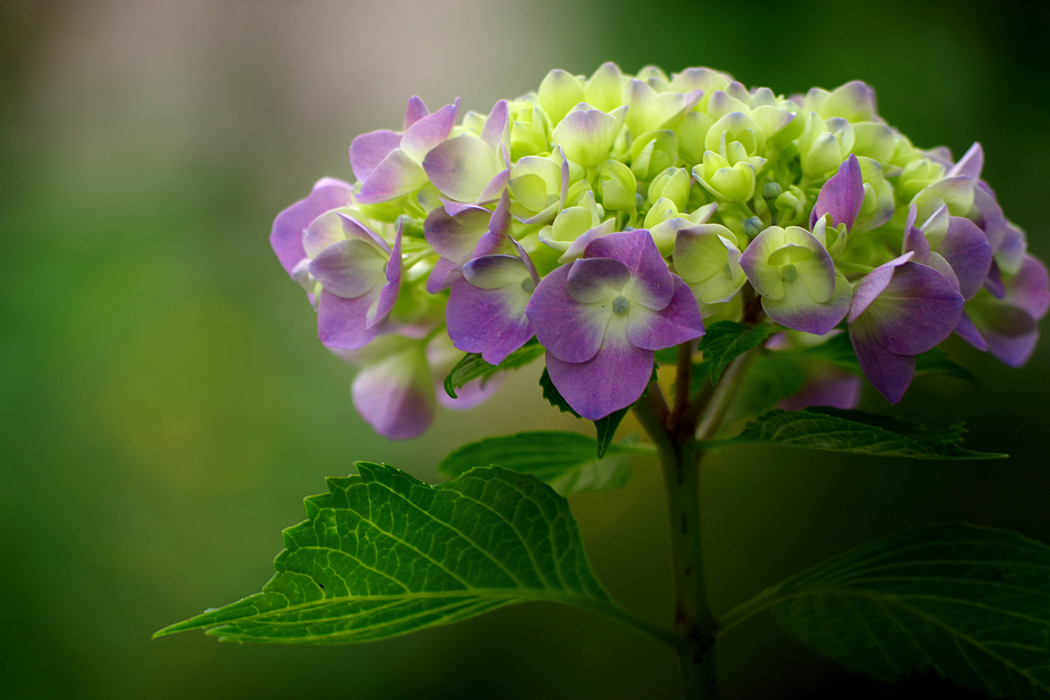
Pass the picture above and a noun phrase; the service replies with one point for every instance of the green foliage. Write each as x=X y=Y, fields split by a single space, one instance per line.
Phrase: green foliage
x=472 y=366
x=770 y=378
x=970 y=602
x=384 y=554
x=724 y=341
x=836 y=430
x=553 y=396
x=566 y=461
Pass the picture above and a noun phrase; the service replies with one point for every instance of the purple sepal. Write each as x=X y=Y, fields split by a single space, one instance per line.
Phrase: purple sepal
x=888 y=372
x=494 y=130
x=872 y=285
x=443 y=275
x=828 y=387
x=969 y=333
x=343 y=323
x=799 y=312
x=638 y=252
x=388 y=294
x=398 y=404
x=429 y=131
x=612 y=380
x=841 y=196
x=367 y=151
x=286 y=237
x=1010 y=326
x=970 y=165
x=966 y=249
x=397 y=174
x=499 y=224
x=490 y=321
x=994 y=281
x=990 y=215
x=567 y=329
x=415 y=111
x=678 y=322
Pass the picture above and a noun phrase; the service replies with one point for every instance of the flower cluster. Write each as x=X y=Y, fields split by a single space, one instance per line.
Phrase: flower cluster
x=612 y=216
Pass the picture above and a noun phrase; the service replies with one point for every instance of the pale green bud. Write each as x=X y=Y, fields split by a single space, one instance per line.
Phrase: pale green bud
x=734 y=183
x=604 y=89
x=652 y=153
x=917 y=175
x=617 y=186
x=736 y=127
x=753 y=226
x=790 y=206
x=559 y=92
x=692 y=133
x=672 y=184
x=771 y=190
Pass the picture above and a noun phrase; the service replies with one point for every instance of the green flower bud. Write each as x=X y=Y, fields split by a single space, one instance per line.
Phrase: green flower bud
x=652 y=153
x=692 y=133
x=917 y=175
x=734 y=183
x=559 y=92
x=672 y=184
x=529 y=130
x=824 y=145
x=604 y=89
x=771 y=190
x=753 y=226
x=790 y=206
x=617 y=186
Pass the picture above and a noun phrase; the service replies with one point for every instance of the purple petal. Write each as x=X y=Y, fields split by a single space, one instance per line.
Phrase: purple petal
x=489 y=321
x=872 y=285
x=286 y=237
x=499 y=224
x=914 y=239
x=353 y=228
x=1029 y=289
x=388 y=294
x=396 y=396
x=994 y=282
x=341 y=323
x=349 y=268
x=569 y=330
x=968 y=332
x=829 y=387
x=1013 y=351
x=1011 y=250
x=841 y=196
x=797 y=310
x=461 y=167
x=916 y=311
x=653 y=284
x=444 y=273
x=678 y=322
x=613 y=379
x=970 y=164
x=429 y=131
x=966 y=249
x=595 y=280
x=495 y=127
x=991 y=219
x=577 y=247
x=416 y=110
x=396 y=175
x=497 y=185
x=888 y=372
x=455 y=237
x=496 y=271
x=367 y=151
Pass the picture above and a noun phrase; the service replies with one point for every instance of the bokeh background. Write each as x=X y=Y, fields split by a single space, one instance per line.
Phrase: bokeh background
x=165 y=404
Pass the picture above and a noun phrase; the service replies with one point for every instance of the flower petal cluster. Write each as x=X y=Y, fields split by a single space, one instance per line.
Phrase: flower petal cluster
x=610 y=216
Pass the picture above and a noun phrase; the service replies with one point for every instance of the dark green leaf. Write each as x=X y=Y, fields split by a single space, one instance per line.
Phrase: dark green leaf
x=564 y=460
x=383 y=554
x=667 y=356
x=700 y=374
x=606 y=428
x=472 y=366
x=836 y=430
x=936 y=362
x=969 y=602
x=724 y=341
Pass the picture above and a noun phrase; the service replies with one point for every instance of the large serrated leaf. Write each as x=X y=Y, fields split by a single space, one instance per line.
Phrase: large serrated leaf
x=472 y=366
x=971 y=603
x=836 y=430
x=564 y=460
x=726 y=340
x=383 y=554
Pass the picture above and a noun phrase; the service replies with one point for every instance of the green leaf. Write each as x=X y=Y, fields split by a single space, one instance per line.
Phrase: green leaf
x=384 y=554
x=564 y=460
x=839 y=351
x=726 y=340
x=606 y=428
x=472 y=366
x=970 y=602
x=836 y=430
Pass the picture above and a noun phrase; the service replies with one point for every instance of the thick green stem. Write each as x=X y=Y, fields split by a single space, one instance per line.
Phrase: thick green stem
x=673 y=434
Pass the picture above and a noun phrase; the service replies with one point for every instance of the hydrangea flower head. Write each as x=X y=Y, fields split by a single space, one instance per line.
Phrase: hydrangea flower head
x=607 y=215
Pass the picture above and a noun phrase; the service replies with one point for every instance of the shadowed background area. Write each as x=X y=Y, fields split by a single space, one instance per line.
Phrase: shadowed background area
x=165 y=403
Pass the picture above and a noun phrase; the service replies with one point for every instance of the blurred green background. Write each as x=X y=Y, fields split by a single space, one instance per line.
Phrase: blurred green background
x=165 y=404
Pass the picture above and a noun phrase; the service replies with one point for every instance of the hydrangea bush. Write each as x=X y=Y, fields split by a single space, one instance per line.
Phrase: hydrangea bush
x=774 y=251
